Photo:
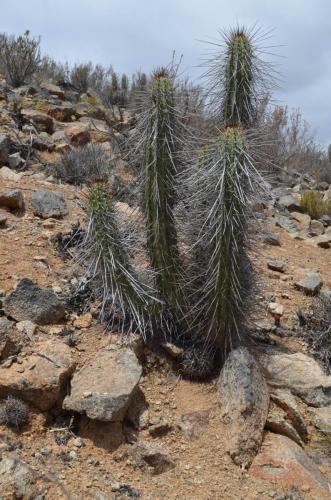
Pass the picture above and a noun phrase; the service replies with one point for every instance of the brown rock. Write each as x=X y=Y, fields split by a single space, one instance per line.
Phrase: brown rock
x=153 y=455
x=78 y=134
x=41 y=121
x=244 y=401
x=277 y=422
x=281 y=460
x=285 y=400
x=83 y=321
x=44 y=375
x=12 y=199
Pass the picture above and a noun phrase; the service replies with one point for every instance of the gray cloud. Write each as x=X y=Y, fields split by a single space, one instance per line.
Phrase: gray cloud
x=132 y=34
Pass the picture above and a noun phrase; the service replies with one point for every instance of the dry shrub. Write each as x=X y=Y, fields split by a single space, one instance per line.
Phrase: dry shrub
x=312 y=203
x=19 y=58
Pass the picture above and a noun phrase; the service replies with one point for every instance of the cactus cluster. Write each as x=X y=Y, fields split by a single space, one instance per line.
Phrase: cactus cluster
x=204 y=292
x=13 y=412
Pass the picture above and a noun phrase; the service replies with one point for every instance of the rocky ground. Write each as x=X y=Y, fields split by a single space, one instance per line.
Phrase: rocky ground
x=112 y=419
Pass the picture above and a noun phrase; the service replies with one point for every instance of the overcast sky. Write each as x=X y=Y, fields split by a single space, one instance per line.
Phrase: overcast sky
x=133 y=34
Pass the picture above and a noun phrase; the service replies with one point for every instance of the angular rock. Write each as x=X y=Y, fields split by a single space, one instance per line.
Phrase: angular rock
x=276 y=309
x=78 y=134
x=288 y=202
x=173 y=350
x=316 y=228
x=281 y=460
x=277 y=265
x=310 y=284
x=30 y=302
x=105 y=386
x=244 y=401
x=153 y=455
x=326 y=220
x=62 y=112
x=43 y=142
x=17 y=479
x=15 y=160
x=42 y=377
x=41 y=121
x=321 y=418
x=303 y=219
x=286 y=223
x=278 y=423
x=8 y=174
x=301 y=374
x=12 y=199
x=272 y=239
x=48 y=204
x=53 y=89
x=323 y=241
x=8 y=341
x=4 y=148
x=286 y=401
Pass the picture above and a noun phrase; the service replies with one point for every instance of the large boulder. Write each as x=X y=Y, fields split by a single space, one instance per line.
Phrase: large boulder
x=104 y=387
x=41 y=121
x=244 y=401
x=30 y=302
x=48 y=204
x=299 y=373
x=42 y=377
x=281 y=460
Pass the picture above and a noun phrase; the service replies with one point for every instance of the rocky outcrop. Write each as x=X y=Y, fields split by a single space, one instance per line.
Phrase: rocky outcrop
x=104 y=387
x=244 y=401
x=30 y=302
x=281 y=460
x=40 y=377
x=48 y=204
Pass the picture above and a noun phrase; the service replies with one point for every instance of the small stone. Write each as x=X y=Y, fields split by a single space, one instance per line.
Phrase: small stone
x=26 y=327
x=272 y=239
x=276 y=309
x=310 y=285
x=47 y=204
x=316 y=228
x=15 y=160
x=276 y=265
x=9 y=174
x=83 y=321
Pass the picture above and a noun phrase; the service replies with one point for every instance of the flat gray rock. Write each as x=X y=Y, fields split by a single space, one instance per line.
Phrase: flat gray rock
x=310 y=284
x=104 y=387
x=244 y=401
x=48 y=204
x=30 y=302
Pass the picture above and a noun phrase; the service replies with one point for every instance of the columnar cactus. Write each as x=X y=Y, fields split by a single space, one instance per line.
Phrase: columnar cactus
x=160 y=162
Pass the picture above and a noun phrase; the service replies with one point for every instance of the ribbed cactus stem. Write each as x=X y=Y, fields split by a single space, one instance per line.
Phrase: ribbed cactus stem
x=224 y=288
x=159 y=186
x=109 y=265
x=238 y=80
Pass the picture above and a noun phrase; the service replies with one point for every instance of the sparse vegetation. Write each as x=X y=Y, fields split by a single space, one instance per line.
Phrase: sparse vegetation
x=80 y=165
x=13 y=412
x=313 y=204
x=318 y=329
x=19 y=58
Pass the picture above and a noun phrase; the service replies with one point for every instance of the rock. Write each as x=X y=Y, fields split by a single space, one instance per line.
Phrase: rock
x=78 y=134
x=41 y=121
x=4 y=148
x=322 y=186
x=327 y=194
x=83 y=321
x=17 y=479
x=8 y=341
x=3 y=218
x=316 y=228
x=321 y=418
x=173 y=350
x=62 y=112
x=281 y=460
x=43 y=142
x=15 y=160
x=326 y=220
x=278 y=423
x=277 y=265
x=300 y=373
x=244 y=401
x=43 y=376
x=160 y=428
x=285 y=400
x=12 y=199
x=48 y=204
x=30 y=302
x=53 y=89
x=310 y=285
x=153 y=455
x=276 y=309
x=104 y=387
x=194 y=423
x=286 y=223
x=323 y=241
x=303 y=219
x=288 y=202
x=27 y=328
x=272 y=239
x=8 y=174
